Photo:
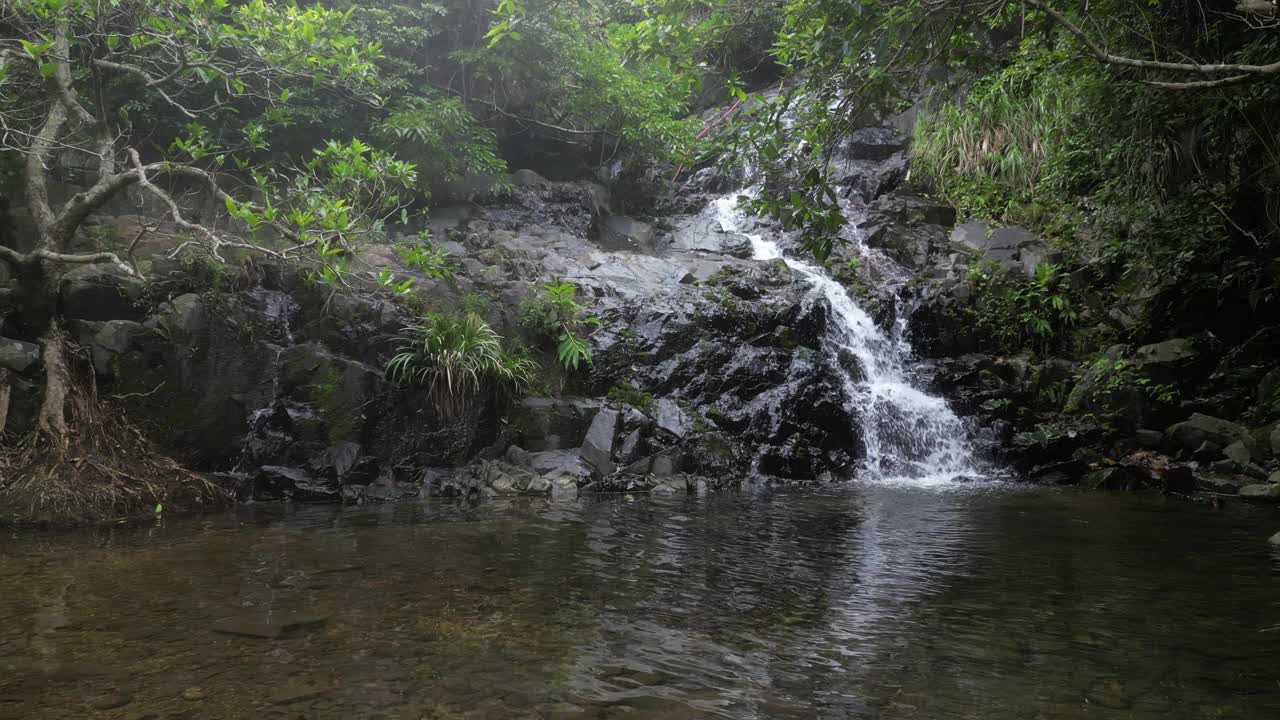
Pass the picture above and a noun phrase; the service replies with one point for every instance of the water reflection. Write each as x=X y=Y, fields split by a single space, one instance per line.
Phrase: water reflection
x=876 y=602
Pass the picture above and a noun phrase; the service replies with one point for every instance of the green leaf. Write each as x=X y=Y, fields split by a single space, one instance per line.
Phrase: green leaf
x=47 y=70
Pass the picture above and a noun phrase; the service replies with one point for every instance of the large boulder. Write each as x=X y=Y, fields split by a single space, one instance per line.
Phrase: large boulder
x=598 y=447
x=17 y=355
x=1168 y=361
x=1199 y=429
x=101 y=292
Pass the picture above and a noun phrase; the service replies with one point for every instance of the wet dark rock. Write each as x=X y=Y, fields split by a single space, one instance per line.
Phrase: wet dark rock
x=552 y=424
x=101 y=292
x=1220 y=483
x=630 y=448
x=518 y=456
x=873 y=144
x=1062 y=473
x=115 y=338
x=671 y=418
x=1168 y=361
x=1263 y=492
x=624 y=233
x=1179 y=479
x=1275 y=540
x=557 y=464
x=280 y=483
x=1149 y=439
x=1238 y=452
x=1113 y=478
x=17 y=355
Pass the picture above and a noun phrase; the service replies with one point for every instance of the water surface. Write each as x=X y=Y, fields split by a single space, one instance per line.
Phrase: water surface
x=870 y=602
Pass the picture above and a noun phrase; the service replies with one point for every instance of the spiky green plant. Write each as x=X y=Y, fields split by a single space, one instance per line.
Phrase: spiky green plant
x=455 y=357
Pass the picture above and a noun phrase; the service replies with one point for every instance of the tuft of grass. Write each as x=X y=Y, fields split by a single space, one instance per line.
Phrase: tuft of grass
x=455 y=357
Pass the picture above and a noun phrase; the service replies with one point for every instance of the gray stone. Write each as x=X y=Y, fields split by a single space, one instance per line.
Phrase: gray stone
x=1275 y=539
x=1261 y=492
x=503 y=483
x=1036 y=254
x=622 y=232
x=183 y=316
x=597 y=448
x=641 y=467
x=519 y=457
x=1200 y=429
x=538 y=485
x=1149 y=439
x=17 y=355
x=1275 y=478
x=673 y=419
x=115 y=338
x=1275 y=441
x=1169 y=352
x=528 y=179
x=665 y=465
x=630 y=447
x=1239 y=453
x=557 y=464
x=1001 y=245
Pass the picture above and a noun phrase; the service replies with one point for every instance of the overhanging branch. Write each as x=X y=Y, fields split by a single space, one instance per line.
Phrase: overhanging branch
x=1240 y=73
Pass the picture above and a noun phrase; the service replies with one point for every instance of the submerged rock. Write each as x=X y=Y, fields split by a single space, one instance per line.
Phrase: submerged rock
x=276 y=625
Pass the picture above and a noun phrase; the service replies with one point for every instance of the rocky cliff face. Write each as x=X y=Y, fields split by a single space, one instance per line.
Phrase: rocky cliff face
x=707 y=367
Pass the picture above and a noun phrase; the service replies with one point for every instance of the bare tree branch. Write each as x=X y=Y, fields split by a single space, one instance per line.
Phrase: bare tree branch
x=18 y=258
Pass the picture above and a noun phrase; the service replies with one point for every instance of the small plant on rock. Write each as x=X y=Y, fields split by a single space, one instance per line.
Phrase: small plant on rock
x=556 y=314
x=455 y=357
x=430 y=260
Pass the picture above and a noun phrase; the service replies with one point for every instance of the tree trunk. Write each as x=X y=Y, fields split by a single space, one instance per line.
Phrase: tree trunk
x=52 y=425
x=5 y=391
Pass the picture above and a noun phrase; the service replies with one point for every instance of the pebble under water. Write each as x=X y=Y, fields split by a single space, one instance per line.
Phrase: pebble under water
x=871 y=602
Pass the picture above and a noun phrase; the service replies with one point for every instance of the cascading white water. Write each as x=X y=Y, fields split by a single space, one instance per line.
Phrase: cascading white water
x=910 y=436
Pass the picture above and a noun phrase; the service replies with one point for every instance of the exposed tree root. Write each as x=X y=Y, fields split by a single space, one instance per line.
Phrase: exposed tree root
x=85 y=463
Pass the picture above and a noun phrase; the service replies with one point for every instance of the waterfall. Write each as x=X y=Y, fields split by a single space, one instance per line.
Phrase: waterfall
x=910 y=436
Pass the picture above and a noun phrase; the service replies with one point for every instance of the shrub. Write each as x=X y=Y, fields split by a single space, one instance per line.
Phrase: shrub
x=1015 y=312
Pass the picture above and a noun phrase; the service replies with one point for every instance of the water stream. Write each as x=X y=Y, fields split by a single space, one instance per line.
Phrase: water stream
x=910 y=436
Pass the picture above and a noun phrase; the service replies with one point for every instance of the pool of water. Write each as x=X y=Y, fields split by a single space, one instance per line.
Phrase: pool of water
x=870 y=602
